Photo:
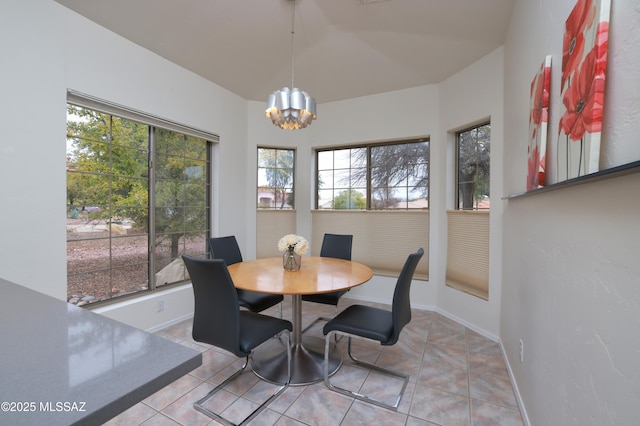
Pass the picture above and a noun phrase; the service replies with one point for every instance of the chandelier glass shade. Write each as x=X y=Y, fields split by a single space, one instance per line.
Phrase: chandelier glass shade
x=291 y=108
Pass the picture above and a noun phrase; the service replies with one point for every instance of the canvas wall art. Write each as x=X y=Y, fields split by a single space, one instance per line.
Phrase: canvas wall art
x=538 y=119
x=584 y=60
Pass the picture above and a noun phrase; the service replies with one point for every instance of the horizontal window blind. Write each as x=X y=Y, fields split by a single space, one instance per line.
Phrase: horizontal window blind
x=91 y=102
x=382 y=239
x=468 y=252
x=271 y=225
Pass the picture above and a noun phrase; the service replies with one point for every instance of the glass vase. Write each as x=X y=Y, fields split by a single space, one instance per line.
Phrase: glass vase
x=291 y=261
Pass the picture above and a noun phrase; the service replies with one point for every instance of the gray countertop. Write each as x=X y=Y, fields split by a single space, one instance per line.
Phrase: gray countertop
x=61 y=365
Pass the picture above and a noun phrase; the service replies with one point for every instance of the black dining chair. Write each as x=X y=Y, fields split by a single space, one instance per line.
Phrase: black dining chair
x=219 y=321
x=375 y=324
x=227 y=248
x=337 y=246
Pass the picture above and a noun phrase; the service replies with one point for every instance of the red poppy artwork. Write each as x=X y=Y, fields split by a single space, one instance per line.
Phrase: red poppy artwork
x=584 y=64
x=538 y=119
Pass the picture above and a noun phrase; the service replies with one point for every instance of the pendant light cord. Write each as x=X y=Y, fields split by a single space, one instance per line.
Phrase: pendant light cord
x=291 y=108
x=293 y=19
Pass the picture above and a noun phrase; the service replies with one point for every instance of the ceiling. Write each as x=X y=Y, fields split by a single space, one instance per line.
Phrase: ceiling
x=343 y=48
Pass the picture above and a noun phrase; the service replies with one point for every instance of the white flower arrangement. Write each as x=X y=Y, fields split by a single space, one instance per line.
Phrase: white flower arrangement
x=294 y=243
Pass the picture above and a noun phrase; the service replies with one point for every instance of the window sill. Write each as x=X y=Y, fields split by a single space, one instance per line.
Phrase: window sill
x=622 y=170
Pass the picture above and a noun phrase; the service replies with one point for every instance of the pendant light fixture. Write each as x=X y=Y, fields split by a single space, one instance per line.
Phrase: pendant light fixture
x=291 y=108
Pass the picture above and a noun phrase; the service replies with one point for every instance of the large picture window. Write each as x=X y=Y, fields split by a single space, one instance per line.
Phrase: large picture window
x=137 y=199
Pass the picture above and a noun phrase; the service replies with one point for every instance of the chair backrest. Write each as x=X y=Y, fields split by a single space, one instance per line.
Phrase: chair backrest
x=401 y=296
x=225 y=248
x=216 y=316
x=337 y=246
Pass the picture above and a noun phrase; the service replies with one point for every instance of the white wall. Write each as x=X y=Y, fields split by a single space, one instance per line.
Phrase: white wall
x=472 y=95
x=48 y=49
x=32 y=148
x=571 y=276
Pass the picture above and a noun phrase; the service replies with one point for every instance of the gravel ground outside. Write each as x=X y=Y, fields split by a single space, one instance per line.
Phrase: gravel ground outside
x=88 y=261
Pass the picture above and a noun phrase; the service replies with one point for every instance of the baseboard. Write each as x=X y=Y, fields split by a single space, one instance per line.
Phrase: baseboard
x=154 y=311
x=168 y=324
x=467 y=324
x=433 y=309
x=514 y=385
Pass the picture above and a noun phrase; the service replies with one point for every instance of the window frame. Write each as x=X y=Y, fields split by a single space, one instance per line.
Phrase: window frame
x=368 y=180
x=292 y=195
x=153 y=124
x=457 y=195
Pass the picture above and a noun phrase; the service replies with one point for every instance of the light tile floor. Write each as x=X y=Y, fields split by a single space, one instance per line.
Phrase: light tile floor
x=458 y=377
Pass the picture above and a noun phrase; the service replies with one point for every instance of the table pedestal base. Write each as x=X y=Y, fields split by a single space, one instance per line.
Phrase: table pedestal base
x=269 y=361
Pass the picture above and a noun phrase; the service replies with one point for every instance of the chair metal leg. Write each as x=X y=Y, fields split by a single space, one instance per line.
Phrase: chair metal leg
x=199 y=405
x=357 y=395
x=318 y=319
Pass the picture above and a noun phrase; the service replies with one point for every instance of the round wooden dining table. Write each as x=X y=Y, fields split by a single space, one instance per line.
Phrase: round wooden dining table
x=316 y=275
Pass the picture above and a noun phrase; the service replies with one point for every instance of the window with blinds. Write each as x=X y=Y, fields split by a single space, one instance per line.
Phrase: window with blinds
x=376 y=176
x=468 y=252
x=382 y=239
x=379 y=193
x=468 y=225
x=271 y=225
x=138 y=198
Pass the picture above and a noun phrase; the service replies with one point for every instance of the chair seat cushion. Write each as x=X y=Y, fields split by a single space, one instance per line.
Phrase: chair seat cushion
x=257 y=302
x=365 y=321
x=257 y=328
